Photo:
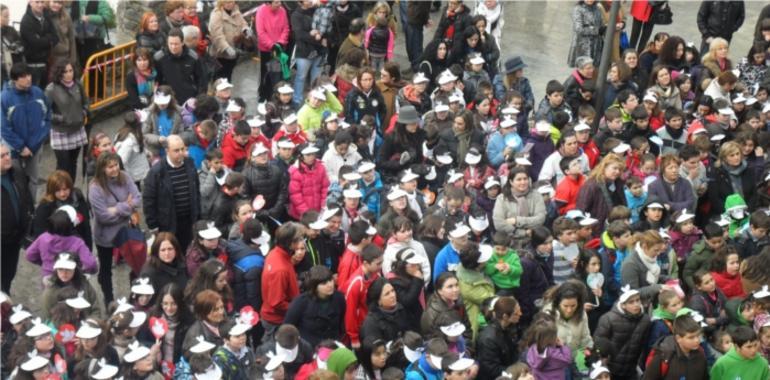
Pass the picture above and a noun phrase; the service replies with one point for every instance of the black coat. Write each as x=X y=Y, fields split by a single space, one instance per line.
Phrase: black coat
x=720 y=18
x=460 y=21
x=272 y=183
x=358 y=104
x=304 y=355
x=408 y=291
x=246 y=264
x=197 y=329
x=720 y=187
x=495 y=350
x=301 y=25
x=534 y=282
x=680 y=366
x=622 y=338
x=38 y=37
x=158 y=197
x=152 y=41
x=78 y=201
x=418 y=13
x=388 y=160
x=165 y=274
x=341 y=23
x=16 y=215
x=448 y=139
x=317 y=320
x=381 y=325
x=184 y=73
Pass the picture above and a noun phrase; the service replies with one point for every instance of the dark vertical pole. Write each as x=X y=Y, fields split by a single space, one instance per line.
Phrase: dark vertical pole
x=604 y=66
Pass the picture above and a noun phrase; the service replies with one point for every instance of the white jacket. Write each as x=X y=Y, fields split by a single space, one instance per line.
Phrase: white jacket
x=134 y=159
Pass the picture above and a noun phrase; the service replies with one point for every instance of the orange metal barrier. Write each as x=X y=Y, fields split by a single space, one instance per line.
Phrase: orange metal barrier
x=107 y=69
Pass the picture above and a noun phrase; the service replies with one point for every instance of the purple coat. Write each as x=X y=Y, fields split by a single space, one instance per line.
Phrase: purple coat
x=107 y=223
x=44 y=249
x=681 y=198
x=552 y=364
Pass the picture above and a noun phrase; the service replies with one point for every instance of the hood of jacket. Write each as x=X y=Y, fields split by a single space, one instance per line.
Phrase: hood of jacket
x=339 y=360
x=734 y=200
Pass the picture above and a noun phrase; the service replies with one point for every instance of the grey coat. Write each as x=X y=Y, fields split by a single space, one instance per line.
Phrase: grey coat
x=586 y=39
x=68 y=107
x=505 y=209
x=633 y=272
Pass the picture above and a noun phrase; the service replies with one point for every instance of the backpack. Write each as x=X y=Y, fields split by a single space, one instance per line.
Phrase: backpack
x=665 y=358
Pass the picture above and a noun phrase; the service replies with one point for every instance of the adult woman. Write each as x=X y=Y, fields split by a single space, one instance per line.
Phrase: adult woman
x=227 y=28
x=445 y=299
x=587 y=24
x=730 y=176
x=567 y=307
x=72 y=279
x=390 y=84
x=140 y=80
x=638 y=75
x=272 y=25
x=488 y=44
x=170 y=305
x=212 y=275
x=475 y=286
x=496 y=344
x=308 y=183
x=165 y=263
x=513 y=79
x=149 y=36
x=461 y=137
x=434 y=60
x=92 y=21
x=641 y=29
x=431 y=234
x=365 y=99
x=663 y=86
x=69 y=109
x=94 y=338
x=398 y=206
x=164 y=118
x=402 y=148
x=603 y=190
x=60 y=192
x=651 y=51
x=386 y=319
x=468 y=44
x=407 y=279
x=619 y=79
x=671 y=188
x=206 y=244
x=347 y=70
x=520 y=208
x=114 y=201
x=640 y=268
x=717 y=60
x=209 y=311
x=672 y=56
x=65 y=49
x=319 y=312
x=400 y=239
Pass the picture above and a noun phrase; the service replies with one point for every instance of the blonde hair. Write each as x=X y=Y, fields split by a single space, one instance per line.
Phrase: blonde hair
x=727 y=149
x=715 y=44
x=371 y=19
x=611 y=159
x=646 y=239
x=221 y=3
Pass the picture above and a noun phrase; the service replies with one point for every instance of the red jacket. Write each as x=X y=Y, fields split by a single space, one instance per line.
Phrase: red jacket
x=349 y=262
x=279 y=285
x=592 y=152
x=308 y=187
x=567 y=192
x=233 y=154
x=731 y=286
x=355 y=303
x=476 y=180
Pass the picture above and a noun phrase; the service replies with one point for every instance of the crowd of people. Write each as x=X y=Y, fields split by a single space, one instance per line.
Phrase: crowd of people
x=370 y=220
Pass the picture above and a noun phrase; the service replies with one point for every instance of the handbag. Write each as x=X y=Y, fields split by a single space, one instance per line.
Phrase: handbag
x=662 y=15
x=130 y=243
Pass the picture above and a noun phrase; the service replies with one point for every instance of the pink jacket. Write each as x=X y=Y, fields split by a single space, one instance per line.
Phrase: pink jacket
x=272 y=27
x=44 y=249
x=391 y=42
x=307 y=188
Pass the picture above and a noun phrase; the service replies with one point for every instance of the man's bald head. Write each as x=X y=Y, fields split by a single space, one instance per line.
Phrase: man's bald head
x=176 y=150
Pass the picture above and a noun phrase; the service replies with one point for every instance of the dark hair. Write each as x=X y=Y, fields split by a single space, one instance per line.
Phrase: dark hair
x=712 y=230
x=175 y=32
x=672 y=112
x=200 y=363
x=443 y=278
x=287 y=234
x=618 y=228
x=697 y=278
x=667 y=55
x=78 y=279
x=60 y=224
x=507 y=190
x=742 y=335
x=20 y=69
x=316 y=275
x=501 y=238
x=357 y=231
x=61 y=313
x=688 y=151
x=102 y=341
x=560 y=119
x=623 y=97
x=357 y=25
x=469 y=256
x=759 y=219
x=563 y=224
x=205 y=278
x=719 y=260
x=370 y=253
x=569 y=290
x=143 y=53
x=176 y=292
x=430 y=226
x=206 y=107
x=504 y=306
x=553 y=86
x=544 y=334
x=154 y=260
x=640 y=113
x=131 y=125
x=540 y=235
x=58 y=70
x=102 y=162
x=584 y=258
x=685 y=324
x=613 y=113
x=251 y=229
x=242 y=128
x=366 y=355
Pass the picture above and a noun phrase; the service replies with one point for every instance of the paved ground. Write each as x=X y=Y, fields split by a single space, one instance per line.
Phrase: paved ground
x=538 y=31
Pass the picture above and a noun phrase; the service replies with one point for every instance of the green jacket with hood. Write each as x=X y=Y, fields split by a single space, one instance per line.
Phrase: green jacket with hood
x=339 y=360
x=734 y=366
x=733 y=310
x=700 y=258
x=736 y=225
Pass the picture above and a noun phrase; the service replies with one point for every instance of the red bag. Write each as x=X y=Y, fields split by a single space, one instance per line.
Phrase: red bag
x=130 y=244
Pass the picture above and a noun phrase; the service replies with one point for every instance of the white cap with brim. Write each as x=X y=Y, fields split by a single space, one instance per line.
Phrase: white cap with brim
x=285 y=89
x=750 y=101
x=454 y=330
x=582 y=127
x=739 y=99
x=491 y=182
x=722 y=221
x=318 y=94
x=685 y=216
x=408 y=176
x=459 y=231
x=441 y=107
x=462 y=364
x=435 y=360
x=396 y=193
x=106 y=371
x=627 y=293
x=621 y=148
x=286 y=144
x=318 y=224
x=650 y=97
x=664 y=233
x=478 y=224
x=288 y=354
x=143 y=287
x=446 y=77
x=238 y=329
x=135 y=353
x=310 y=149
x=259 y=149
x=655 y=205
x=455 y=98
x=86 y=331
x=19 y=315
x=223 y=84
x=256 y=122
x=65 y=261
x=329 y=87
x=329 y=213
x=72 y=214
x=444 y=158
x=472 y=159
x=420 y=78
x=365 y=167
x=510 y=111
x=351 y=177
x=546 y=189
x=656 y=140
x=38 y=328
x=290 y=119
x=763 y=292
x=413 y=355
x=352 y=193
x=211 y=232
x=522 y=161
x=718 y=137
x=454 y=177
x=212 y=373
x=477 y=60
x=727 y=111
x=138 y=320
x=161 y=99
x=34 y=362
x=598 y=369
x=78 y=302
x=431 y=173
x=371 y=231
x=543 y=126
x=766 y=108
x=202 y=345
x=507 y=122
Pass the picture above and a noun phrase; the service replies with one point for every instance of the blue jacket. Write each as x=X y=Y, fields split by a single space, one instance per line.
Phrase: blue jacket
x=447 y=260
x=421 y=370
x=497 y=144
x=523 y=87
x=26 y=118
x=371 y=194
x=635 y=204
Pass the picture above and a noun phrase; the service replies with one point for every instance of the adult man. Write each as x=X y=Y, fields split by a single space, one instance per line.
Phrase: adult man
x=719 y=19
x=417 y=15
x=308 y=49
x=354 y=41
x=171 y=200
x=39 y=36
x=180 y=68
x=17 y=206
x=26 y=121
x=268 y=180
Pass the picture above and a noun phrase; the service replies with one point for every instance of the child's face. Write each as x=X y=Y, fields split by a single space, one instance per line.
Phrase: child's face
x=501 y=250
x=689 y=342
x=603 y=376
x=143 y=300
x=104 y=145
x=675 y=122
x=654 y=214
x=237 y=342
x=726 y=343
x=764 y=337
x=285 y=153
x=245 y=213
x=749 y=349
x=284 y=98
x=453 y=205
x=574 y=168
x=715 y=243
x=636 y=189
x=685 y=87
x=517 y=102
x=493 y=192
x=594 y=265
x=707 y=283
x=747 y=148
x=477 y=67
x=674 y=305
x=556 y=98
x=622 y=240
x=633 y=305
x=733 y=264
x=641 y=123
x=615 y=125
x=755 y=123
x=761 y=96
x=757 y=232
x=649 y=167
x=584 y=233
x=215 y=164
x=568 y=237
x=583 y=136
x=688 y=227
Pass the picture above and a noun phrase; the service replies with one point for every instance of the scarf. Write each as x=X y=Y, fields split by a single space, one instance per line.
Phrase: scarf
x=651 y=263
x=463 y=141
x=68 y=84
x=662 y=314
x=736 y=178
x=674 y=133
x=521 y=202
x=666 y=91
x=145 y=85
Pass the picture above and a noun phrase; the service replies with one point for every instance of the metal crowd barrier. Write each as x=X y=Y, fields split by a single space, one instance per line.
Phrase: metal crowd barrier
x=107 y=70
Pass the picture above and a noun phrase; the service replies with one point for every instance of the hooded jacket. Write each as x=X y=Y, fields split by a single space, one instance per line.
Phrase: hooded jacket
x=643 y=224
x=339 y=360
x=269 y=181
x=183 y=72
x=621 y=337
x=680 y=365
x=734 y=366
x=699 y=258
x=310 y=118
x=317 y=319
x=247 y=263
x=333 y=160
x=26 y=118
x=495 y=349
x=475 y=287
x=308 y=187
x=44 y=249
x=736 y=225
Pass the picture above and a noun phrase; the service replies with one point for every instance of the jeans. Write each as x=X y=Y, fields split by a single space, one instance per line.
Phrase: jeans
x=67 y=160
x=414 y=38
x=305 y=65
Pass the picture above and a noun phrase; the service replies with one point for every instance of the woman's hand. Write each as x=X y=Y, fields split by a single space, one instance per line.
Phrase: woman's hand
x=511 y=221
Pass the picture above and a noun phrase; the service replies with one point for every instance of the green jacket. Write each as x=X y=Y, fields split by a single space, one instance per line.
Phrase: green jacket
x=733 y=366
x=103 y=19
x=736 y=225
x=475 y=287
x=700 y=258
x=733 y=310
x=51 y=293
x=507 y=280
x=310 y=118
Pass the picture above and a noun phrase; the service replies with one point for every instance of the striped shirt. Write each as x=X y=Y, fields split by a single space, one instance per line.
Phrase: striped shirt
x=562 y=261
x=181 y=185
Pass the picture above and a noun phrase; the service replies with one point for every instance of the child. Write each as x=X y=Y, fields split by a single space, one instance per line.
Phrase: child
x=536 y=275
x=351 y=258
x=100 y=142
x=636 y=197
x=752 y=240
x=725 y=269
x=743 y=360
x=683 y=234
x=234 y=357
x=279 y=104
x=474 y=73
x=552 y=102
x=720 y=343
x=476 y=170
x=480 y=231
x=740 y=312
x=379 y=40
x=241 y=213
x=547 y=356
x=620 y=333
x=652 y=215
x=613 y=119
x=540 y=147
x=505 y=268
x=212 y=172
x=60 y=237
x=129 y=145
x=235 y=112
x=636 y=158
x=673 y=135
x=199 y=141
x=218 y=205
x=693 y=169
x=709 y=301
x=640 y=126
x=679 y=356
x=356 y=290
x=662 y=321
x=764 y=339
x=565 y=248
x=141 y=294
x=736 y=211
x=517 y=371
x=235 y=146
x=567 y=190
x=614 y=251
